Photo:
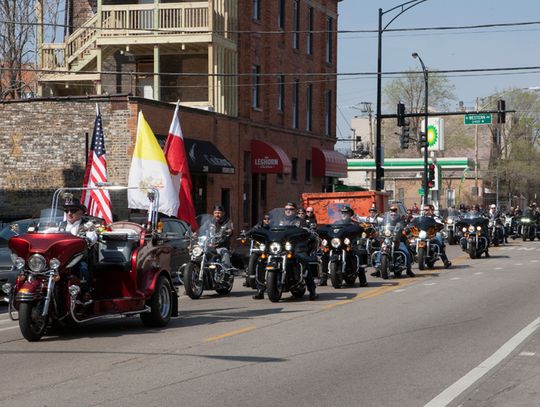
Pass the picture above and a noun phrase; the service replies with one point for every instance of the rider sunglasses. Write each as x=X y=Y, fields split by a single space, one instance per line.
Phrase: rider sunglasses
x=74 y=210
x=289 y=209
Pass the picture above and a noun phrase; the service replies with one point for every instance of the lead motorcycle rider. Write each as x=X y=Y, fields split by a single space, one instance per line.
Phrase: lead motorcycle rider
x=494 y=215
x=223 y=228
x=291 y=218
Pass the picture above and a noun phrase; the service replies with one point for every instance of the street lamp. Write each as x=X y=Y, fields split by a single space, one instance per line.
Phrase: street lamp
x=425 y=178
x=379 y=172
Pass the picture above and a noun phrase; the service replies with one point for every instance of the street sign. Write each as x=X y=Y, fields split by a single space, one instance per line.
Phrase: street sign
x=477 y=118
x=421 y=191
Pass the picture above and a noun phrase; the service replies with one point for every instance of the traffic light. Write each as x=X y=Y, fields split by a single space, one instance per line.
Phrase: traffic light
x=431 y=176
x=404 y=137
x=422 y=139
x=501 y=114
x=400 y=114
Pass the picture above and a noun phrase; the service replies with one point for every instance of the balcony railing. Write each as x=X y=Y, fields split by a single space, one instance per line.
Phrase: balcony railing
x=141 y=19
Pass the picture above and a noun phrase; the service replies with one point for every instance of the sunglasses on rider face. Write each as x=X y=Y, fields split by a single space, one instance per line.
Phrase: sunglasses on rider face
x=289 y=209
x=309 y=211
x=71 y=210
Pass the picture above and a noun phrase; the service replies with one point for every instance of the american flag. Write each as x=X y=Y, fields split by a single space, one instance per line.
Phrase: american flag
x=97 y=201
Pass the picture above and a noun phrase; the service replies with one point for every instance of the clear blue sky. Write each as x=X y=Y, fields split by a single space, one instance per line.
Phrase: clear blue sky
x=456 y=49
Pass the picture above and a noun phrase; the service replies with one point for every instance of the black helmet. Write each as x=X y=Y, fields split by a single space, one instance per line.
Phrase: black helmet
x=347 y=209
x=462 y=207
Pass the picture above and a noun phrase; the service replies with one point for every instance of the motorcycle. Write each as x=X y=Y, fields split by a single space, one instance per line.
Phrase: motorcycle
x=206 y=270
x=453 y=233
x=496 y=231
x=341 y=253
x=253 y=257
x=475 y=238
x=284 y=255
x=423 y=230
x=392 y=257
x=130 y=268
x=527 y=227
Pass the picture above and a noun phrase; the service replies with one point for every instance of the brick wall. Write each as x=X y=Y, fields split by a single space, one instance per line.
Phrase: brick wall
x=80 y=11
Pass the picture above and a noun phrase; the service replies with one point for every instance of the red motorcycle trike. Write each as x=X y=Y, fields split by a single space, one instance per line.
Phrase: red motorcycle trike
x=130 y=273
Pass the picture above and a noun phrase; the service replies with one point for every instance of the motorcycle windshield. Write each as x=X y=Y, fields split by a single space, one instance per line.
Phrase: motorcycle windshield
x=207 y=227
x=280 y=218
x=424 y=222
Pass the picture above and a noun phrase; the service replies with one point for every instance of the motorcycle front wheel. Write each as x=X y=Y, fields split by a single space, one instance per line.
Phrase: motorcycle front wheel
x=421 y=258
x=335 y=275
x=385 y=265
x=226 y=290
x=273 y=286
x=31 y=321
x=193 y=285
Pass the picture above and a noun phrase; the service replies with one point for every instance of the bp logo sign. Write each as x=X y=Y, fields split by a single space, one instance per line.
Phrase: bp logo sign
x=435 y=133
x=432 y=135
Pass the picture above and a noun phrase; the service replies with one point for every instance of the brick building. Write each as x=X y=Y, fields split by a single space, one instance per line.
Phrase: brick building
x=268 y=124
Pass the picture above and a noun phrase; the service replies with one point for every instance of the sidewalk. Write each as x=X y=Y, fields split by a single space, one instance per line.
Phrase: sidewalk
x=515 y=382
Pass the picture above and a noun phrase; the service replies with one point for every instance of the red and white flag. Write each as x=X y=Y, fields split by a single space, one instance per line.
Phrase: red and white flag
x=175 y=153
x=97 y=201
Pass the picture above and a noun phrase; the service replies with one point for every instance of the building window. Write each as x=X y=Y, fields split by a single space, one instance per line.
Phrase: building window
x=309 y=106
x=256 y=11
x=255 y=86
x=294 y=169
x=310 y=32
x=401 y=194
x=296 y=24
x=279 y=178
x=328 y=113
x=329 y=39
x=281 y=14
x=308 y=171
x=450 y=197
x=281 y=93
x=295 y=98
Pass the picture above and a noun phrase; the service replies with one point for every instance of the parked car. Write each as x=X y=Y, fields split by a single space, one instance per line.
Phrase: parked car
x=8 y=273
x=177 y=235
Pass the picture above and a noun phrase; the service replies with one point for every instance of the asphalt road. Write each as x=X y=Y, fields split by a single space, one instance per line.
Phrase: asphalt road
x=395 y=343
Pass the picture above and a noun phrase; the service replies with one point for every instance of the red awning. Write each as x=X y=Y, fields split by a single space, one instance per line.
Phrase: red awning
x=328 y=163
x=267 y=158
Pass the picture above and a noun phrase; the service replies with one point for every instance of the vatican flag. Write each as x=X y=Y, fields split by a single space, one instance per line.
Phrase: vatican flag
x=149 y=168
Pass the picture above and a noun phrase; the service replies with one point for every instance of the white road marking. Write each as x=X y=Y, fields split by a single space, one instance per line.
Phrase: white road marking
x=534 y=261
x=455 y=278
x=478 y=273
x=498 y=268
x=430 y=283
x=452 y=392
x=519 y=264
x=528 y=249
x=399 y=290
x=527 y=354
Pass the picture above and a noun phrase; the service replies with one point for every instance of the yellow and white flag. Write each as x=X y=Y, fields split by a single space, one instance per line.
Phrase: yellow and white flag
x=149 y=168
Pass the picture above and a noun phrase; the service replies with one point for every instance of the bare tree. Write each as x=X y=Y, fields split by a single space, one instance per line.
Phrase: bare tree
x=16 y=35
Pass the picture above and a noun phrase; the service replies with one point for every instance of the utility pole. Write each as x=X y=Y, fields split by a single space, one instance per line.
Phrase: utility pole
x=476 y=159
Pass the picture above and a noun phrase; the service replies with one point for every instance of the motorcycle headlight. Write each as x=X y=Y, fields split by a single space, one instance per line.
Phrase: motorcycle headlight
x=197 y=251
x=347 y=241
x=288 y=246
x=525 y=220
x=18 y=262
x=479 y=228
x=387 y=233
x=364 y=235
x=6 y=288
x=449 y=221
x=262 y=247
x=422 y=234
x=275 y=247
x=464 y=229
x=335 y=242
x=471 y=228
x=54 y=264
x=324 y=242
x=37 y=263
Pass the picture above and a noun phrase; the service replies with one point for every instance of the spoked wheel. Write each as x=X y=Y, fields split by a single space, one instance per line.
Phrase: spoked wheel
x=31 y=321
x=273 y=286
x=335 y=275
x=160 y=304
x=193 y=285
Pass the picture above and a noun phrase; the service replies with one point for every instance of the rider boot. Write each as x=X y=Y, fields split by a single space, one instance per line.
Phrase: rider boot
x=487 y=253
x=323 y=281
x=362 y=278
x=259 y=295
x=410 y=272
x=444 y=258
x=313 y=294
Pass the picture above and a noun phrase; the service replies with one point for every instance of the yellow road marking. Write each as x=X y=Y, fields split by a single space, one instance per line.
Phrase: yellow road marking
x=232 y=333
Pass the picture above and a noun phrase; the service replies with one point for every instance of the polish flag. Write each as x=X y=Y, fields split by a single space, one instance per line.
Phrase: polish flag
x=175 y=153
